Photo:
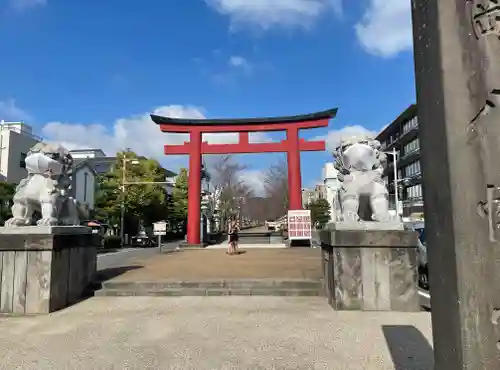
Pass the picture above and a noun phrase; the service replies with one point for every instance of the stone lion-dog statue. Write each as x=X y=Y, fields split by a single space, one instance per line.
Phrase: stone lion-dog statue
x=46 y=190
x=360 y=165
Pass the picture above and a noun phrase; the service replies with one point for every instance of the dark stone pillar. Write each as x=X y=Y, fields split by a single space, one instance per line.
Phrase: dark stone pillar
x=44 y=269
x=457 y=56
x=371 y=270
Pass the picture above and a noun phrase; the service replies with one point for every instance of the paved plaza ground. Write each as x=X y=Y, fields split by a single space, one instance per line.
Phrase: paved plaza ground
x=215 y=333
x=290 y=263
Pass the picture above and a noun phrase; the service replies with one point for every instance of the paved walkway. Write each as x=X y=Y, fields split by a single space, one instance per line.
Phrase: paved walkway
x=290 y=263
x=215 y=333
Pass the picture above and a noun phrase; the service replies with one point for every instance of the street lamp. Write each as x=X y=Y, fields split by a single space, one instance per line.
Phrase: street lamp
x=394 y=154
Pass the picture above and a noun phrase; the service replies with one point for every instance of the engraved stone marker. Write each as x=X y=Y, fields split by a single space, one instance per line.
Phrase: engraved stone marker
x=457 y=63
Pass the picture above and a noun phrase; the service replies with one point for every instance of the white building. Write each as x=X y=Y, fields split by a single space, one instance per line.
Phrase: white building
x=16 y=139
x=332 y=186
x=84 y=183
x=87 y=153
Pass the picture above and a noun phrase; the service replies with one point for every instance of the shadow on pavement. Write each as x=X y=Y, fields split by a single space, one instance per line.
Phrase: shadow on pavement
x=107 y=250
x=110 y=273
x=102 y=276
x=409 y=349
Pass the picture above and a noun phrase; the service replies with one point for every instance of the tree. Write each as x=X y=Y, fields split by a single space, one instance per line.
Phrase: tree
x=226 y=174
x=276 y=186
x=320 y=212
x=146 y=202
x=6 y=194
x=180 y=196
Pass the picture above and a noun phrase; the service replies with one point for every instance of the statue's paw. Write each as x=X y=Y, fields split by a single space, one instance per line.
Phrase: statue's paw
x=50 y=221
x=16 y=221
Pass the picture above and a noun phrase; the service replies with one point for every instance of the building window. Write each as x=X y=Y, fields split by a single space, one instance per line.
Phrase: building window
x=412 y=146
x=412 y=169
x=414 y=192
x=85 y=180
x=22 y=161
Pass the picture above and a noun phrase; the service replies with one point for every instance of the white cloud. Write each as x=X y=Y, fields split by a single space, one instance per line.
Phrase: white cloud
x=338 y=7
x=240 y=63
x=386 y=27
x=270 y=13
x=21 y=5
x=255 y=180
x=139 y=133
x=334 y=137
x=10 y=111
x=237 y=61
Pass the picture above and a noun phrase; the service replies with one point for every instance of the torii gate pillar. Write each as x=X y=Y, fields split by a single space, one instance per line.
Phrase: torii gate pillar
x=195 y=148
x=194 y=189
x=294 y=177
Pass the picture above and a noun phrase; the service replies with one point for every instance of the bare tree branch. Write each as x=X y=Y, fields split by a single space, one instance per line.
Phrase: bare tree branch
x=276 y=186
x=226 y=174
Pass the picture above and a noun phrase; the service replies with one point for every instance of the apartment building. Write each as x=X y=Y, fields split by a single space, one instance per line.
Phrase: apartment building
x=312 y=195
x=16 y=139
x=402 y=137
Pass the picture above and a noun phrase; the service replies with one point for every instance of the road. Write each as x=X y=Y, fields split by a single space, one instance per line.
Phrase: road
x=258 y=229
x=125 y=257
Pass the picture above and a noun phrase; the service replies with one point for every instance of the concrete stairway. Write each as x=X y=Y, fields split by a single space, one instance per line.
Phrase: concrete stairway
x=256 y=287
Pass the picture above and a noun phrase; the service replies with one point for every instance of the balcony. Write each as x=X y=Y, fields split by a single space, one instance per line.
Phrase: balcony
x=410 y=129
x=410 y=154
x=415 y=176
x=413 y=202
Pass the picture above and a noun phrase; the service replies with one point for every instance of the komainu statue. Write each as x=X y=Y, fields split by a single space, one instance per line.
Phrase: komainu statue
x=46 y=190
x=360 y=165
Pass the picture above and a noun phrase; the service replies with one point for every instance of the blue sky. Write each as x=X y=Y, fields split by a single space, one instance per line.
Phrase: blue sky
x=88 y=73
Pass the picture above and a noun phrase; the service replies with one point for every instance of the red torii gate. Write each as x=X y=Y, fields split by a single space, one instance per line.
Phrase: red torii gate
x=195 y=148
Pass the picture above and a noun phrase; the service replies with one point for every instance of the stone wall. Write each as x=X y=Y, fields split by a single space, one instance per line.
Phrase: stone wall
x=373 y=270
x=44 y=269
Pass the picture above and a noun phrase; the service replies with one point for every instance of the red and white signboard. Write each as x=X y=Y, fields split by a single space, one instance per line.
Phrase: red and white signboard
x=299 y=224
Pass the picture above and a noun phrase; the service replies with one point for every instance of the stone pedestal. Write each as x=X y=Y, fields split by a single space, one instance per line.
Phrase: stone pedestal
x=371 y=270
x=44 y=269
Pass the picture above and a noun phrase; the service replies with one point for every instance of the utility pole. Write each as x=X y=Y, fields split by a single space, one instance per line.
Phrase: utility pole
x=394 y=154
x=124 y=183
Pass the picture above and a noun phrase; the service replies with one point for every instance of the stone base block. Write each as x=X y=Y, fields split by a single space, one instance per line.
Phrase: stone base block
x=366 y=225
x=374 y=270
x=44 y=269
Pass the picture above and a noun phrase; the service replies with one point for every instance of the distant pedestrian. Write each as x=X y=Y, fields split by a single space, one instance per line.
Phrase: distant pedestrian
x=233 y=229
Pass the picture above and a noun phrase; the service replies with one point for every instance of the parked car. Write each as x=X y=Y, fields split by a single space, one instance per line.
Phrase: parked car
x=143 y=241
x=423 y=262
x=423 y=269
x=98 y=229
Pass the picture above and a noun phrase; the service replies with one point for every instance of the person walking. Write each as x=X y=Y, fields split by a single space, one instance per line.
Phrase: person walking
x=233 y=229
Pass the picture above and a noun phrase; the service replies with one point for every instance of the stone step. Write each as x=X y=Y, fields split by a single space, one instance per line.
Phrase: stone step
x=214 y=284
x=183 y=292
